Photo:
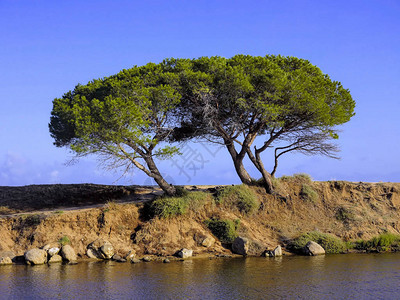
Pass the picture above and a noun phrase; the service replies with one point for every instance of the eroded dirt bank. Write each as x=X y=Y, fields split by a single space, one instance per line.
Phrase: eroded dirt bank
x=347 y=210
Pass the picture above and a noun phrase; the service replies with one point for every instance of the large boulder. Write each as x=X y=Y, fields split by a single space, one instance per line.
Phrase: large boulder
x=68 y=253
x=185 y=253
x=312 y=248
x=245 y=246
x=100 y=249
x=35 y=256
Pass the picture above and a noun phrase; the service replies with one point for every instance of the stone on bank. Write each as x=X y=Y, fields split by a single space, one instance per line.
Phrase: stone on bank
x=312 y=248
x=35 y=256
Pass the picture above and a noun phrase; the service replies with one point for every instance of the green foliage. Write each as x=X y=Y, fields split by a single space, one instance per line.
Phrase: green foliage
x=224 y=230
x=298 y=177
x=344 y=214
x=383 y=242
x=309 y=194
x=31 y=220
x=240 y=196
x=64 y=240
x=330 y=243
x=166 y=207
x=121 y=119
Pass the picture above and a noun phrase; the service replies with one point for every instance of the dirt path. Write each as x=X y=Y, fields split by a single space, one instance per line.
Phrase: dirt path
x=140 y=194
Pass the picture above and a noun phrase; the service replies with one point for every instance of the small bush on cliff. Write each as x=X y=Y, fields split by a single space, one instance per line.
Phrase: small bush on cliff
x=383 y=242
x=224 y=230
x=344 y=214
x=330 y=243
x=240 y=196
x=308 y=193
x=166 y=207
x=298 y=177
x=64 y=240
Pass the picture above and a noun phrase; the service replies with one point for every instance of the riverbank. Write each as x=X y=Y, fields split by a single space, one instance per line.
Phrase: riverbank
x=205 y=220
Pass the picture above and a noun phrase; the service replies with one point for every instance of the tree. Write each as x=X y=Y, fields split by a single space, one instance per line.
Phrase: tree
x=123 y=119
x=280 y=99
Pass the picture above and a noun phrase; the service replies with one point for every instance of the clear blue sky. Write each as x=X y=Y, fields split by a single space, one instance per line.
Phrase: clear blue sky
x=47 y=47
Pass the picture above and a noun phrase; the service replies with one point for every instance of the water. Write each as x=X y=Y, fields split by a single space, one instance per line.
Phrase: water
x=352 y=276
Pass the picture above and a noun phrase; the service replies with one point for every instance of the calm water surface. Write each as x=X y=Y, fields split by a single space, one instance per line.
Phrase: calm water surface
x=352 y=276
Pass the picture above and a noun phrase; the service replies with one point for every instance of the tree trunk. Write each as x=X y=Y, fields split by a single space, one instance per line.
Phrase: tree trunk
x=168 y=189
x=266 y=176
x=238 y=163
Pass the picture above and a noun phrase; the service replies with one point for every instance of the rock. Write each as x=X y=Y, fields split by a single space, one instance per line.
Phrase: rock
x=166 y=261
x=131 y=254
x=68 y=253
x=135 y=260
x=47 y=247
x=207 y=242
x=245 y=246
x=5 y=261
x=185 y=253
x=146 y=259
x=240 y=246
x=53 y=251
x=267 y=253
x=91 y=253
x=100 y=249
x=35 y=256
x=312 y=248
x=108 y=250
x=55 y=259
x=118 y=258
x=277 y=251
x=9 y=254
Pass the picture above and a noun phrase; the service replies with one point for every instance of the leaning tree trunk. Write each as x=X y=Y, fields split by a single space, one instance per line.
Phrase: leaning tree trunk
x=168 y=189
x=238 y=163
x=256 y=160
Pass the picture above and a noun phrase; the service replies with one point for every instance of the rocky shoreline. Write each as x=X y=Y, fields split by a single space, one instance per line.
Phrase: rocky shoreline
x=208 y=222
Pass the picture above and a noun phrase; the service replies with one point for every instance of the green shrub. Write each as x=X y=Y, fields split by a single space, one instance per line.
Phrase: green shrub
x=330 y=243
x=166 y=207
x=224 y=230
x=298 y=177
x=240 y=196
x=383 y=242
x=64 y=240
x=344 y=214
x=308 y=193
x=31 y=220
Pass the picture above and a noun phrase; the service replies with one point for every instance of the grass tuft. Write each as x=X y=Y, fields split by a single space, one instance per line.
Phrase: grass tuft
x=224 y=230
x=308 y=194
x=383 y=242
x=167 y=207
x=64 y=240
x=240 y=196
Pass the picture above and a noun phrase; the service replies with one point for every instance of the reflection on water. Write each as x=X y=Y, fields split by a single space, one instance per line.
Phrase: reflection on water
x=334 y=277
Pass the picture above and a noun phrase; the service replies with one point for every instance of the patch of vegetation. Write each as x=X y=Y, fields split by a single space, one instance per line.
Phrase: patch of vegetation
x=64 y=240
x=330 y=243
x=224 y=230
x=344 y=214
x=31 y=220
x=308 y=193
x=166 y=207
x=240 y=196
x=298 y=177
x=383 y=242
x=5 y=210
x=58 y=212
